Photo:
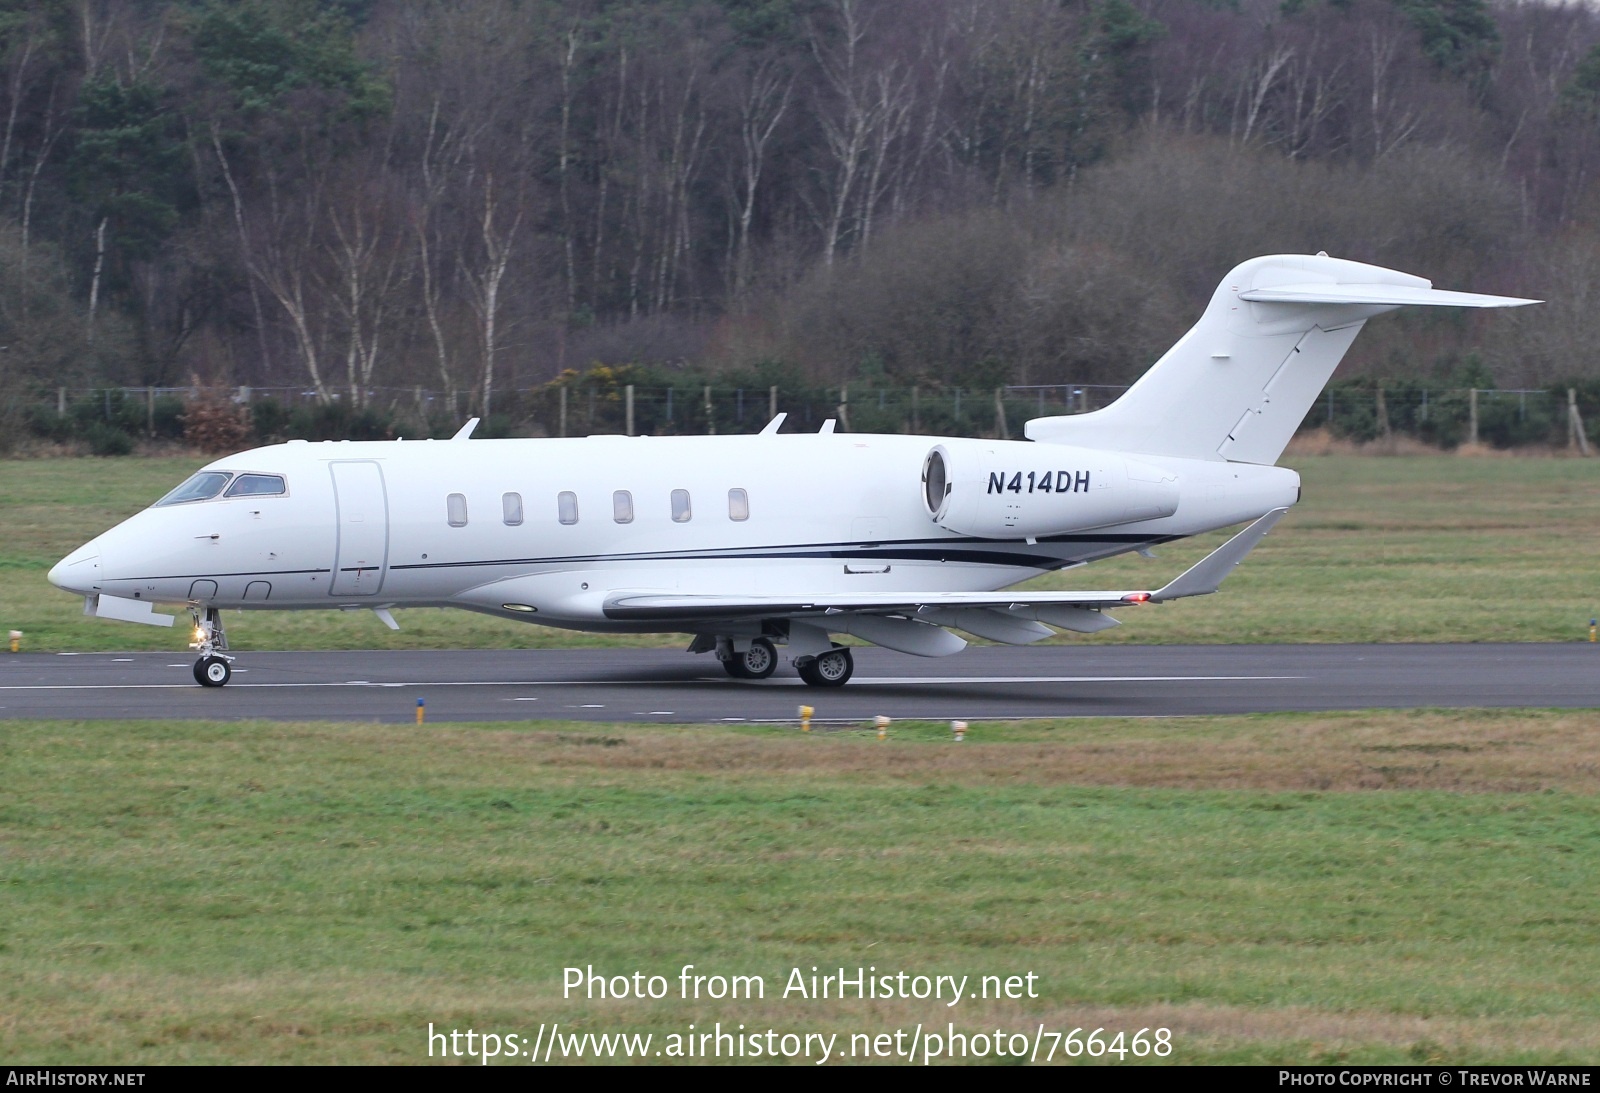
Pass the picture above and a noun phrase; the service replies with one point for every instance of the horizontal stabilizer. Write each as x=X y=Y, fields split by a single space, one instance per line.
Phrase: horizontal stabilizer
x=1393 y=295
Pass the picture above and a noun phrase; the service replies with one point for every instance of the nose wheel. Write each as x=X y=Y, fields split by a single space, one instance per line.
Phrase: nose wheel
x=215 y=667
x=212 y=671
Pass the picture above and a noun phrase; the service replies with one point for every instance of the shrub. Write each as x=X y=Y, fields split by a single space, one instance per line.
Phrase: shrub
x=106 y=439
x=213 y=423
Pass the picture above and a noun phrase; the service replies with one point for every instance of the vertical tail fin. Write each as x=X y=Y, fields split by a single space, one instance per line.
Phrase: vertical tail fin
x=1238 y=384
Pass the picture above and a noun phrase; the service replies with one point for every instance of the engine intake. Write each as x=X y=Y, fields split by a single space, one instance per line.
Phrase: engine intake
x=1011 y=489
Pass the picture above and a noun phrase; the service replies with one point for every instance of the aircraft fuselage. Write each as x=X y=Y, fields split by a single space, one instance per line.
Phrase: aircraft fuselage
x=449 y=523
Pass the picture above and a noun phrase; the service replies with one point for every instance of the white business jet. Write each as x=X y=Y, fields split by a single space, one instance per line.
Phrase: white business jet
x=756 y=543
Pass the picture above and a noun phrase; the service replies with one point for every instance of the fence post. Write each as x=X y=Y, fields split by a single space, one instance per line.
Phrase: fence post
x=1383 y=416
x=1575 y=430
x=1472 y=415
x=772 y=402
x=916 y=416
x=1000 y=413
x=150 y=411
x=627 y=399
x=563 y=430
x=711 y=425
x=61 y=402
x=844 y=407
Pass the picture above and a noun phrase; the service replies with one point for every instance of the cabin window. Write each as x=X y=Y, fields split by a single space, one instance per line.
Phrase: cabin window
x=456 y=509
x=257 y=485
x=512 y=504
x=738 y=505
x=622 y=507
x=681 y=512
x=200 y=487
x=567 y=507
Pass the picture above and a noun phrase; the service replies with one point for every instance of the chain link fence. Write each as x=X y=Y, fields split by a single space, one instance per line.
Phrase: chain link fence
x=110 y=420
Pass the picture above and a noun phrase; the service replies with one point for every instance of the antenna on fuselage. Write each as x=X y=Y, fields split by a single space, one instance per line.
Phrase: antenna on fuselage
x=774 y=425
x=466 y=430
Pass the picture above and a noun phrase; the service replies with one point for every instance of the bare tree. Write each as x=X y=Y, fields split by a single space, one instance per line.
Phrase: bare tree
x=764 y=90
x=849 y=124
x=487 y=277
x=1391 y=118
x=369 y=263
x=1254 y=92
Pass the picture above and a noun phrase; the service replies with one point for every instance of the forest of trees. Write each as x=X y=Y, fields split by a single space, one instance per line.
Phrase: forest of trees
x=473 y=196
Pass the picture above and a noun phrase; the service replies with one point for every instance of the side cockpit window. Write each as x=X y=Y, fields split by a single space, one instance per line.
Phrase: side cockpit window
x=257 y=485
x=201 y=487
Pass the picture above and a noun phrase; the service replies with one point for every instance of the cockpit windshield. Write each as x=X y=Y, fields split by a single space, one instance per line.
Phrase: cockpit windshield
x=257 y=485
x=201 y=487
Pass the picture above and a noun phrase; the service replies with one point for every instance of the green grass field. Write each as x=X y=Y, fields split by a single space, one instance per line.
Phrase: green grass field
x=1419 y=548
x=1345 y=887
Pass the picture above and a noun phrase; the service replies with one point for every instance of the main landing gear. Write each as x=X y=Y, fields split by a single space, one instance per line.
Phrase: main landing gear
x=759 y=659
x=214 y=667
x=832 y=669
x=757 y=662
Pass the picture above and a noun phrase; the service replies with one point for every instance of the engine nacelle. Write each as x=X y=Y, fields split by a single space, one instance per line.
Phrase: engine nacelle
x=1006 y=489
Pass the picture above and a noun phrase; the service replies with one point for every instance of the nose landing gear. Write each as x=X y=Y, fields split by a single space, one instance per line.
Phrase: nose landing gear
x=214 y=667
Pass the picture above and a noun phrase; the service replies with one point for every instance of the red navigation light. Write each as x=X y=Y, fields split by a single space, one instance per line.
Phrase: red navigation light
x=1136 y=597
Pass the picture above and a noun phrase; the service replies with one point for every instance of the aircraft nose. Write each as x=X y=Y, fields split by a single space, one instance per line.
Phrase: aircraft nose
x=79 y=571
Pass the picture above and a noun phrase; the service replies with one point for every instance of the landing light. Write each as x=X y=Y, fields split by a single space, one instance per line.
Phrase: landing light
x=522 y=607
x=1136 y=597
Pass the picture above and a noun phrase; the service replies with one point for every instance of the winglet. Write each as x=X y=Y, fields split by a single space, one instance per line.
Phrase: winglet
x=774 y=425
x=466 y=430
x=1207 y=575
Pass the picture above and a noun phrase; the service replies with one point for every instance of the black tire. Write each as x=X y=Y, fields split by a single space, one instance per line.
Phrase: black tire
x=757 y=662
x=212 y=671
x=832 y=669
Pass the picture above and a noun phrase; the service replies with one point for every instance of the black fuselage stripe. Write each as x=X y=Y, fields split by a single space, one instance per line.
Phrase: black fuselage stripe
x=1015 y=557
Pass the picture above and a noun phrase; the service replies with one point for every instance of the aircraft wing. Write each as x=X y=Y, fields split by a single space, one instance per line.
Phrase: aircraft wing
x=1200 y=579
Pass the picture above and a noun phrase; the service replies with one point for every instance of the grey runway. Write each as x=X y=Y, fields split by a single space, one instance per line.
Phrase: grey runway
x=668 y=686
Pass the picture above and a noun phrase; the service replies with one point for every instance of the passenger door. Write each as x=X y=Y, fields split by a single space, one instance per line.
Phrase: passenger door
x=362 y=554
